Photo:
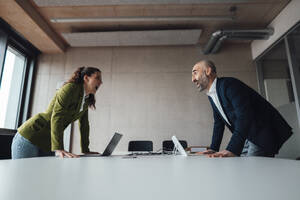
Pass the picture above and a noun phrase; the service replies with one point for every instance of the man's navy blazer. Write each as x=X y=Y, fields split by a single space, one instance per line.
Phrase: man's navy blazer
x=251 y=117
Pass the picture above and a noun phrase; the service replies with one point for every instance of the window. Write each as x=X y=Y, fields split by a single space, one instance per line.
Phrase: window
x=11 y=87
x=17 y=58
x=276 y=76
x=279 y=82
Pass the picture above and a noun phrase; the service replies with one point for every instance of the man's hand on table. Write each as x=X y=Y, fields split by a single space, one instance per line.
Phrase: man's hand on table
x=213 y=154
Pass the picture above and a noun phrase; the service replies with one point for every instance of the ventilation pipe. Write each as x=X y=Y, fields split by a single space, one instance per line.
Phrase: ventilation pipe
x=218 y=37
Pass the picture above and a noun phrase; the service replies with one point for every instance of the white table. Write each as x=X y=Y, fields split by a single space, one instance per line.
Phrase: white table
x=150 y=178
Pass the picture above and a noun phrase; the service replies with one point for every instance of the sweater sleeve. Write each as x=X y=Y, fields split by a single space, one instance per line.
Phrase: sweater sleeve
x=84 y=132
x=59 y=115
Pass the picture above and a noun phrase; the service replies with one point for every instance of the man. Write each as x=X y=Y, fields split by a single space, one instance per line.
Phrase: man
x=257 y=127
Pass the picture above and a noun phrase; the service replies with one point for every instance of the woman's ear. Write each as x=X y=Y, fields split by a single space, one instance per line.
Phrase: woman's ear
x=85 y=78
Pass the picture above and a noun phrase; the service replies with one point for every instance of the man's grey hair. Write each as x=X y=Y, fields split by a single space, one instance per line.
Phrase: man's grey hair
x=211 y=65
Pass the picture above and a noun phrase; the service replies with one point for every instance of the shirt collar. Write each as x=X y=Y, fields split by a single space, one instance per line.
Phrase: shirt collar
x=212 y=88
x=84 y=93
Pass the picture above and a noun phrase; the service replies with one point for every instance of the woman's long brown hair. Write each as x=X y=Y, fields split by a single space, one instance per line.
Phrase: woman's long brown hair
x=77 y=77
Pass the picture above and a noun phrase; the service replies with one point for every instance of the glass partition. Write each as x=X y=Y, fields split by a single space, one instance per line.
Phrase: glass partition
x=279 y=82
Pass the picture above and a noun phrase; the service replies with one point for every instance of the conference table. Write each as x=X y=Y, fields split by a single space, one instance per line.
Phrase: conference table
x=159 y=177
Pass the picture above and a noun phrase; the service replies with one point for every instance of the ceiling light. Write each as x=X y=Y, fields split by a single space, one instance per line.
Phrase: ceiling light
x=141 y=19
x=43 y=3
x=133 y=38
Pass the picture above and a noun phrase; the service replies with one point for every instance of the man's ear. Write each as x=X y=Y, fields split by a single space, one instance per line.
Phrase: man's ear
x=208 y=71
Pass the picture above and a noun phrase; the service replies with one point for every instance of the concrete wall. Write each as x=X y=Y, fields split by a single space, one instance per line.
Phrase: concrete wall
x=147 y=92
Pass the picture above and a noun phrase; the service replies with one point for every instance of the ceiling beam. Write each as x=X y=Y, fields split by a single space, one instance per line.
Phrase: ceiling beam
x=24 y=18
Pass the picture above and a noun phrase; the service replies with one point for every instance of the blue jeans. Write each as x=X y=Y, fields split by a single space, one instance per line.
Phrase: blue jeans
x=251 y=149
x=23 y=148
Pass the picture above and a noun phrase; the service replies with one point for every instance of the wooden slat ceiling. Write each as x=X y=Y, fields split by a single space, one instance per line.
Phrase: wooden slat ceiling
x=249 y=14
x=24 y=18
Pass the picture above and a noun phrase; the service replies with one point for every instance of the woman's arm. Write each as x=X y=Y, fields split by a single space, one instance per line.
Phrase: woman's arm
x=84 y=128
x=60 y=113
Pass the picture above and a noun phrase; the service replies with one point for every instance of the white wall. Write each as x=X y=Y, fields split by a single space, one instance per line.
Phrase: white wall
x=290 y=149
x=147 y=92
x=287 y=18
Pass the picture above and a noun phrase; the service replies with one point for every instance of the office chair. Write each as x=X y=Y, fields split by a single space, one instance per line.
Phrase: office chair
x=6 y=137
x=168 y=145
x=140 y=145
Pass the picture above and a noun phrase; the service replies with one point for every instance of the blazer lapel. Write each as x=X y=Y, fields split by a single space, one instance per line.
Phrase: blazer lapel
x=214 y=105
x=218 y=89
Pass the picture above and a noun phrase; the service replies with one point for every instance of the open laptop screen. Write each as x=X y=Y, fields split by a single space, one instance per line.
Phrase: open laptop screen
x=178 y=147
x=112 y=144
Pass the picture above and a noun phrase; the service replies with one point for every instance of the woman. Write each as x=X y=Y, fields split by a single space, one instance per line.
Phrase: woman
x=42 y=135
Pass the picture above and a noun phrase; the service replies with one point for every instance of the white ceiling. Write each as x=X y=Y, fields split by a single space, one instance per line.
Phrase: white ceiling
x=151 y=22
x=133 y=38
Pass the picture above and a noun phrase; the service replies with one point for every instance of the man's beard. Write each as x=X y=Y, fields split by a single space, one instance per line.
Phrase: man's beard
x=203 y=82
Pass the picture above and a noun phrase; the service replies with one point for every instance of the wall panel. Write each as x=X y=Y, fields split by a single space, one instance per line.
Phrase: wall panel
x=147 y=91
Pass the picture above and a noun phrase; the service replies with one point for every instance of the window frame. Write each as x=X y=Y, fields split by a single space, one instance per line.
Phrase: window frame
x=11 y=38
x=293 y=67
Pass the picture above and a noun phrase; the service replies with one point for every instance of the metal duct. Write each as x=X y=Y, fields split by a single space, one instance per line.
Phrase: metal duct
x=218 y=37
x=218 y=44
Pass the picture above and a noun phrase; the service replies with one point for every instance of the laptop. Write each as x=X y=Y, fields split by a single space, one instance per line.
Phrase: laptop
x=179 y=149
x=109 y=148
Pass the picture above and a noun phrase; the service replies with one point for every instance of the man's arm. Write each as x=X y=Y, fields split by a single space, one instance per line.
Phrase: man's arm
x=218 y=130
x=239 y=96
